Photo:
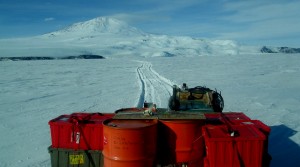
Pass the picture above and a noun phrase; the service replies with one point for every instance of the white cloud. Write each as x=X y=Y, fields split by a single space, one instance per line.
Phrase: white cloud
x=250 y=11
x=139 y=17
x=49 y=19
x=261 y=20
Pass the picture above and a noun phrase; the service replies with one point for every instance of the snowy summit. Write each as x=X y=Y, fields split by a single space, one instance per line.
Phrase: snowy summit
x=100 y=25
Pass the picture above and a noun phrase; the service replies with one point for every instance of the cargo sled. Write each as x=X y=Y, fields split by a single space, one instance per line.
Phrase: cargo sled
x=192 y=132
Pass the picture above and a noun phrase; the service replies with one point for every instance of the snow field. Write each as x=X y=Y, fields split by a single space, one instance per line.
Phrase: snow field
x=264 y=86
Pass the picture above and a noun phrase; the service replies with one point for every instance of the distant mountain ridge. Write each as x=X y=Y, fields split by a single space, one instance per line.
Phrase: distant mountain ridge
x=107 y=37
x=31 y=58
x=111 y=37
x=266 y=49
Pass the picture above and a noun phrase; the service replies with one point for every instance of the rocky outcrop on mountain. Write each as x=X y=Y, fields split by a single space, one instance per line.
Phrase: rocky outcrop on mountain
x=289 y=50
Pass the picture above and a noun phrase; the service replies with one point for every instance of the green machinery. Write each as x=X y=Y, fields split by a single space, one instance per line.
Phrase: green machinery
x=196 y=99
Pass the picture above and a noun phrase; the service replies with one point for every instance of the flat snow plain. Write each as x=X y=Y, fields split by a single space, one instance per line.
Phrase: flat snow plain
x=264 y=87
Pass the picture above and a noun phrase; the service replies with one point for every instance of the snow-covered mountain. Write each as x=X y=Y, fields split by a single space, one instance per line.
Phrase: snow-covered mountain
x=111 y=37
x=98 y=26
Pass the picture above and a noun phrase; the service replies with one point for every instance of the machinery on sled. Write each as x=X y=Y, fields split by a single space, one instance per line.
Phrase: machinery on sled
x=196 y=99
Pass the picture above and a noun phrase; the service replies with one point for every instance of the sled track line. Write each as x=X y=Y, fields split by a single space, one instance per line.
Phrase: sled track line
x=153 y=87
x=165 y=82
x=142 y=87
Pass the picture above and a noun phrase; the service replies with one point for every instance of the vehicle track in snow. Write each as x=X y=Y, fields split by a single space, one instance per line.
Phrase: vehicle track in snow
x=153 y=87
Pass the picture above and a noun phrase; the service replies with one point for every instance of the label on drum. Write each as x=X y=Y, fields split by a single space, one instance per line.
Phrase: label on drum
x=76 y=159
x=122 y=143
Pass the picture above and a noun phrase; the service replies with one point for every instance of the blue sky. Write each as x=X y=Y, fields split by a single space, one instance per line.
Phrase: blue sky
x=252 y=22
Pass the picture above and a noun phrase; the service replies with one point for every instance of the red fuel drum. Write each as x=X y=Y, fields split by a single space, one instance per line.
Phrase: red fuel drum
x=129 y=143
x=78 y=131
x=181 y=141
